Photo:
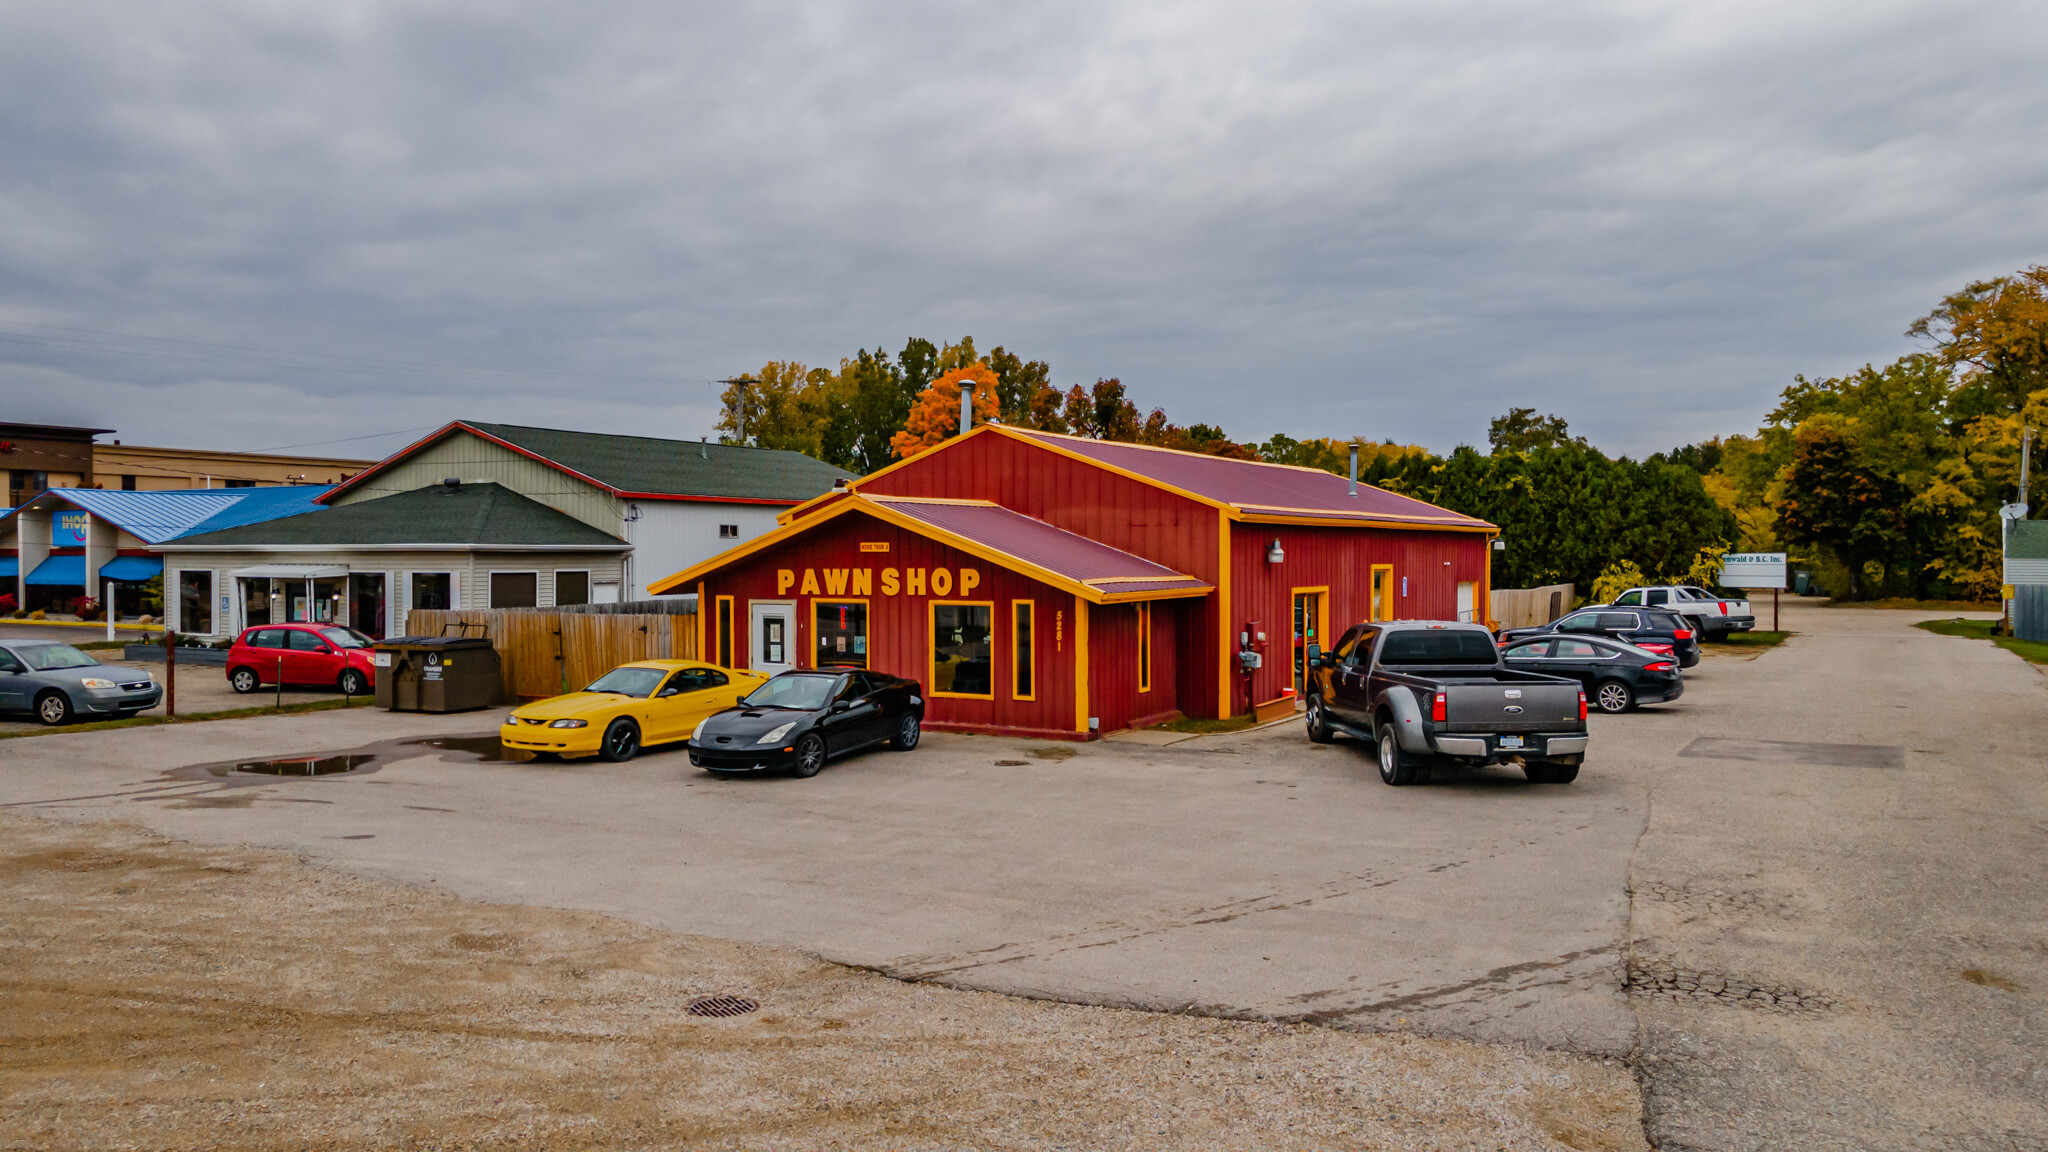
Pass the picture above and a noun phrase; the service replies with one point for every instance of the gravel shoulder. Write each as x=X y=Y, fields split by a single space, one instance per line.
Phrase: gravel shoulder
x=168 y=995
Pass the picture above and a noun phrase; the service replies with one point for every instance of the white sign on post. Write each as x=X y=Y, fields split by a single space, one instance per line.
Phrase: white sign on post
x=1753 y=570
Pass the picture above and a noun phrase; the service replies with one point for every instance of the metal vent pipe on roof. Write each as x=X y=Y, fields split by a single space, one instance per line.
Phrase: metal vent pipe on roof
x=1354 y=470
x=966 y=406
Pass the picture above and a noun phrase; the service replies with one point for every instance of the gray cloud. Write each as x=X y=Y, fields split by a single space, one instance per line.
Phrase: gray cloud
x=1394 y=219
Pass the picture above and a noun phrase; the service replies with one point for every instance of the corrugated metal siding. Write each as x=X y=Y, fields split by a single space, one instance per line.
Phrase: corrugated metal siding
x=2030 y=612
x=1101 y=505
x=469 y=458
x=2026 y=571
x=1342 y=559
x=899 y=626
x=1113 y=664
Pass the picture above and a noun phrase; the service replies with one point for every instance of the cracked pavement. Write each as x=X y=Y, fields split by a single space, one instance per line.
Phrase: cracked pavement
x=1808 y=900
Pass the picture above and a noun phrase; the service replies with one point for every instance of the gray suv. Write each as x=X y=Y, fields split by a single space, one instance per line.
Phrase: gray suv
x=59 y=683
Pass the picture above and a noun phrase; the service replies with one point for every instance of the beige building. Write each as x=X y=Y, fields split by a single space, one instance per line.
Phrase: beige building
x=137 y=469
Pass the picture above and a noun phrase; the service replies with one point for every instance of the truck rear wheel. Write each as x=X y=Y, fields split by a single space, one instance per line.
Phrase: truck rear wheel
x=1397 y=767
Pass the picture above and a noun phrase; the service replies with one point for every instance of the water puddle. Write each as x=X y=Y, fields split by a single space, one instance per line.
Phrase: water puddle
x=472 y=749
x=304 y=766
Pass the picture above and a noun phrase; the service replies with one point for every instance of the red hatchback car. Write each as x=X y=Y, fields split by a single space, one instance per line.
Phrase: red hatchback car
x=309 y=654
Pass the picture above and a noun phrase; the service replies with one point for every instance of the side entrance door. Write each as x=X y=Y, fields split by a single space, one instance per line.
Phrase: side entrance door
x=772 y=636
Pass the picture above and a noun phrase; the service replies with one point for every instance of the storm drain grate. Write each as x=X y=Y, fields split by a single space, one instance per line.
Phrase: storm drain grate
x=722 y=1006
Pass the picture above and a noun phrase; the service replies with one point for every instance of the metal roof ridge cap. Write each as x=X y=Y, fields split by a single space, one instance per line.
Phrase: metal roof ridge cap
x=1250 y=508
x=972 y=503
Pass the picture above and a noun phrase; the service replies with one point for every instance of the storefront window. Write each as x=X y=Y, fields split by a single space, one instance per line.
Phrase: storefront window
x=842 y=633
x=366 y=603
x=327 y=599
x=430 y=590
x=195 y=602
x=1144 y=647
x=1023 y=686
x=960 y=649
x=255 y=601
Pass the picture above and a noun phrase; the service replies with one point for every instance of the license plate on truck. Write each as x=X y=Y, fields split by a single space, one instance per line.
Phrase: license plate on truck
x=1511 y=744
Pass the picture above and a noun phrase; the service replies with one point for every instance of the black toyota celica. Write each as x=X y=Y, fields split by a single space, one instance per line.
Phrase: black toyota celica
x=798 y=720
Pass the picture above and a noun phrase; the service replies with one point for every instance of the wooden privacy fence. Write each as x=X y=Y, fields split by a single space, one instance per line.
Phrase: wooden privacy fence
x=545 y=653
x=1529 y=607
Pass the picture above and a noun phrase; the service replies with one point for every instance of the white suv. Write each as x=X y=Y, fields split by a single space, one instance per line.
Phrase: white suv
x=1709 y=613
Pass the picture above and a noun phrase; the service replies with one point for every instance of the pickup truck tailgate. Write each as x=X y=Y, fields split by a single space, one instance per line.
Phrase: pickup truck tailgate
x=1527 y=707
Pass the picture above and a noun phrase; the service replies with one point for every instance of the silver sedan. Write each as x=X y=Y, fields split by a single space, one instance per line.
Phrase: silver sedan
x=59 y=684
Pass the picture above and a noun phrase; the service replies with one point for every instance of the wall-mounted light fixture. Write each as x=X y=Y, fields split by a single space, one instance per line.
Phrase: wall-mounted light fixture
x=1500 y=545
x=1276 y=553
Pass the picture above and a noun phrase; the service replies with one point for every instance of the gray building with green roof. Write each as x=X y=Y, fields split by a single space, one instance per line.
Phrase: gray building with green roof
x=2026 y=569
x=534 y=517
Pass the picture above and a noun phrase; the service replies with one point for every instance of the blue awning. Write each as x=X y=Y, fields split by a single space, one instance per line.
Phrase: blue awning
x=132 y=568
x=60 y=570
x=9 y=567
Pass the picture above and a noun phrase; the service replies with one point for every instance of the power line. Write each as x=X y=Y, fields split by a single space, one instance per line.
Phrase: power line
x=172 y=348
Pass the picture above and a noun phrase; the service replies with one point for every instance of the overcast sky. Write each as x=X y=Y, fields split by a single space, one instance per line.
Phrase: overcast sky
x=251 y=225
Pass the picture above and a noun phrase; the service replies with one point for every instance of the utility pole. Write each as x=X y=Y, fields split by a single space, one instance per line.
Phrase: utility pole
x=2026 y=457
x=742 y=405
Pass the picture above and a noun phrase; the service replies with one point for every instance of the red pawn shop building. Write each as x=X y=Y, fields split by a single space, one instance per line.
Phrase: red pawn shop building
x=1056 y=586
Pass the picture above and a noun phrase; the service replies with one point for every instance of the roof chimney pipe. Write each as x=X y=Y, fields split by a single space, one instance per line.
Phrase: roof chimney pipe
x=1354 y=469
x=966 y=406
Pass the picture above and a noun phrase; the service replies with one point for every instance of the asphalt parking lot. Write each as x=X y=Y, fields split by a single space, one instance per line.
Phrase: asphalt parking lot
x=1808 y=899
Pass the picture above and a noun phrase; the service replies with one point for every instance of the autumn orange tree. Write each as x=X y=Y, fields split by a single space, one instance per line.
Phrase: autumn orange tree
x=935 y=418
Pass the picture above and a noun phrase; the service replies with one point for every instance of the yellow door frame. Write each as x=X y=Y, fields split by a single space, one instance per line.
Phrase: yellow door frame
x=1322 y=622
x=1381 y=607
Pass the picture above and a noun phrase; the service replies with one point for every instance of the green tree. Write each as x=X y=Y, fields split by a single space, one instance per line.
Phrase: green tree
x=1521 y=430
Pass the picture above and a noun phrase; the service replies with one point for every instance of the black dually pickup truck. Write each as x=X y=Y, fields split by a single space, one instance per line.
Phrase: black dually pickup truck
x=1419 y=690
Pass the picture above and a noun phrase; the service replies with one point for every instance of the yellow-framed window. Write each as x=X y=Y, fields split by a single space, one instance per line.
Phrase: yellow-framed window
x=1023 y=650
x=722 y=648
x=963 y=649
x=1382 y=592
x=1145 y=646
x=841 y=629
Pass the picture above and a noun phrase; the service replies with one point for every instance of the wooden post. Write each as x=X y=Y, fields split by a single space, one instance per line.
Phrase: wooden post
x=170 y=674
x=1774 y=609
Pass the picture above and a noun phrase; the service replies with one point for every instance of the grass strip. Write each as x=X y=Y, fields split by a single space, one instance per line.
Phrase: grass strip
x=1206 y=725
x=1916 y=605
x=2032 y=651
x=200 y=718
x=1752 y=639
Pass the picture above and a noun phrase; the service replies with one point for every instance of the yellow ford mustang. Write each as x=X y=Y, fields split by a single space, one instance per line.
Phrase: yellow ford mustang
x=645 y=702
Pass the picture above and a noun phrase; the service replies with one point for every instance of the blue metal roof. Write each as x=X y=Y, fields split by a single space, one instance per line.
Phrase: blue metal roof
x=155 y=517
x=9 y=567
x=260 y=504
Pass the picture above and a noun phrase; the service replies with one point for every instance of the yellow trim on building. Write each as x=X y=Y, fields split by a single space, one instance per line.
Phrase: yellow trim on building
x=1081 y=703
x=1223 y=661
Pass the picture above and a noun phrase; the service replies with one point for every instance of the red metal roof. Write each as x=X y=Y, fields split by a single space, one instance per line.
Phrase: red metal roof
x=1109 y=570
x=1257 y=489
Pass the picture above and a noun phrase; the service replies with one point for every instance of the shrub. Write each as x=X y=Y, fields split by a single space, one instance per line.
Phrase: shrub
x=85 y=608
x=7 y=604
x=38 y=614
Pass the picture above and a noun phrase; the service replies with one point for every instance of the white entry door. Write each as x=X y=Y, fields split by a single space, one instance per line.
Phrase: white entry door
x=772 y=627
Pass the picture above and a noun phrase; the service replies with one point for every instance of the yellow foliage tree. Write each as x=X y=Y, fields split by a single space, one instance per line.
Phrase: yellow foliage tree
x=935 y=418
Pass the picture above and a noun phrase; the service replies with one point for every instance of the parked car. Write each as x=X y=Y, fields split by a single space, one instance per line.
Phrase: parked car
x=1648 y=628
x=1616 y=676
x=1705 y=613
x=799 y=720
x=631 y=706
x=1417 y=690
x=58 y=683
x=308 y=655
